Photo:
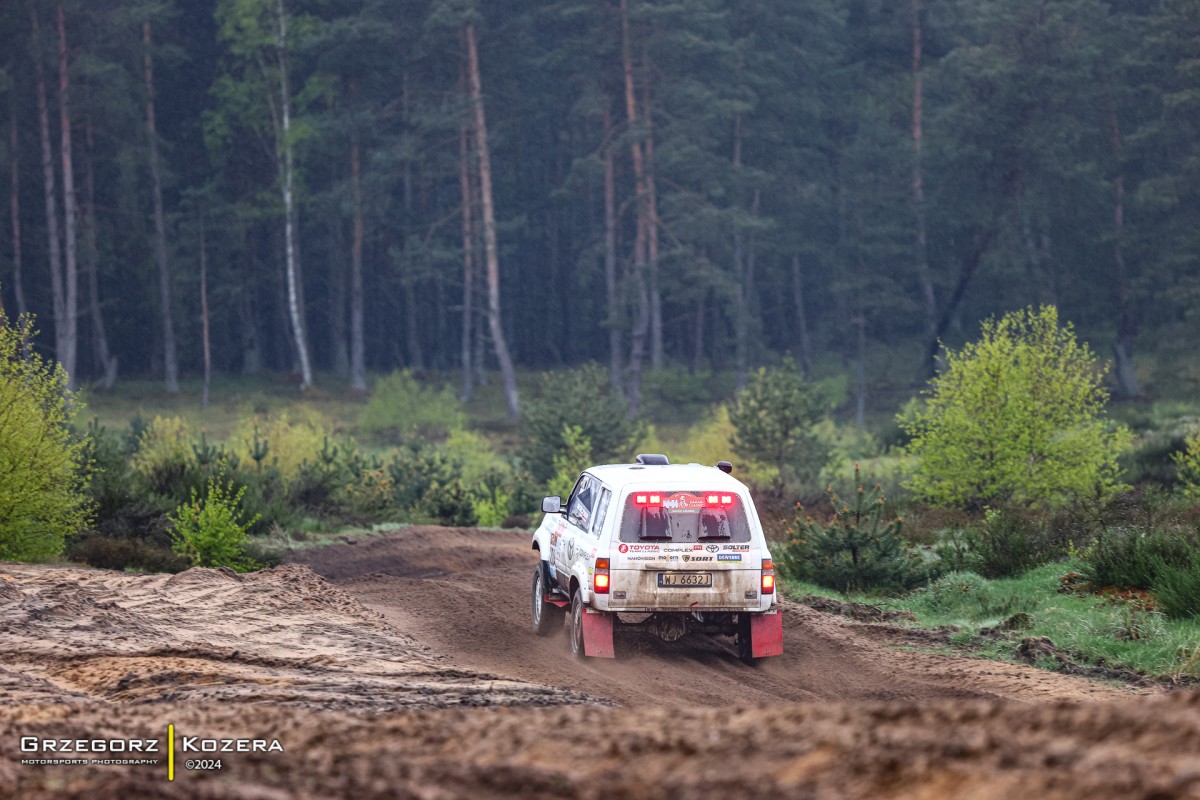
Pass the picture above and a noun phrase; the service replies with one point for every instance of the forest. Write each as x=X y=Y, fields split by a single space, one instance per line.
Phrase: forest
x=331 y=188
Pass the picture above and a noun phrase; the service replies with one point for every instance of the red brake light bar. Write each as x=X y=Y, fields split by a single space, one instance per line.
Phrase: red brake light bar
x=723 y=500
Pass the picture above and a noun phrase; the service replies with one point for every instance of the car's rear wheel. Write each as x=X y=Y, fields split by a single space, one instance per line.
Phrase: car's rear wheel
x=577 y=612
x=745 y=644
x=547 y=617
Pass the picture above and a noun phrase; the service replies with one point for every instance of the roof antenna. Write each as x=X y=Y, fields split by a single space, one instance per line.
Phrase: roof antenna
x=725 y=467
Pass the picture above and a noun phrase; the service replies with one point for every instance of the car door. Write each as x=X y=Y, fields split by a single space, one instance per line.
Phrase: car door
x=579 y=521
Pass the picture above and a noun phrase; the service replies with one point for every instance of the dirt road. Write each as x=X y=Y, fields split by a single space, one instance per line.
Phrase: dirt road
x=467 y=593
x=411 y=672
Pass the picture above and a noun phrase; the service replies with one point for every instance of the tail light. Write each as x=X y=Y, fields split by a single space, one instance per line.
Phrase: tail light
x=600 y=577
x=648 y=499
x=719 y=500
x=768 y=576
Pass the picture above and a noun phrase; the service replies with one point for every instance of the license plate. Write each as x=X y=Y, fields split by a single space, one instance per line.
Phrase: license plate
x=671 y=580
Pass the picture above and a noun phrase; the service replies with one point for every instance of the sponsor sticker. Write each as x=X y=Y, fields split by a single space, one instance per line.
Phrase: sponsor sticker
x=712 y=548
x=742 y=548
x=683 y=502
x=637 y=548
x=729 y=557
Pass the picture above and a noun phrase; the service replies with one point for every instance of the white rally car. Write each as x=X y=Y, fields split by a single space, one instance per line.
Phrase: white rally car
x=675 y=549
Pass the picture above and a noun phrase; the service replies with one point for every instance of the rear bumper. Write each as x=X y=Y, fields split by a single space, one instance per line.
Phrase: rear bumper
x=702 y=609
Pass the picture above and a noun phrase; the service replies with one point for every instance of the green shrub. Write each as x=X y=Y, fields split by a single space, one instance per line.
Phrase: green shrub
x=401 y=409
x=43 y=467
x=1133 y=557
x=163 y=455
x=1010 y=542
x=1176 y=586
x=711 y=440
x=580 y=398
x=449 y=504
x=492 y=511
x=121 y=553
x=674 y=391
x=773 y=420
x=1016 y=418
x=857 y=551
x=413 y=470
x=369 y=495
x=575 y=457
x=265 y=499
x=209 y=530
x=287 y=441
x=1188 y=464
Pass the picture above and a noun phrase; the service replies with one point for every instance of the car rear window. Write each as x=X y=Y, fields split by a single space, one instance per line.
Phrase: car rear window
x=689 y=516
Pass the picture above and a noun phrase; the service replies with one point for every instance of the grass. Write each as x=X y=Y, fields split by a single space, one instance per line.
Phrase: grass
x=1095 y=631
x=232 y=400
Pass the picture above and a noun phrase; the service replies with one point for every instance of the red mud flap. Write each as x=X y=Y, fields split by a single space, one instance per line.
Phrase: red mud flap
x=766 y=634
x=598 y=634
x=556 y=599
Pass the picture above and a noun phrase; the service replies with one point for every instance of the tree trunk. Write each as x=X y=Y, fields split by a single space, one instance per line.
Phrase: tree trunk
x=339 y=336
x=15 y=206
x=295 y=309
x=105 y=360
x=802 y=339
x=966 y=271
x=358 y=357
x=170 y=356
x=610 y=260
x=741 y=313
x=698 y=332
x=656 y=323
x=1127 y=318
x=48 y=184
x=204 y=330
x=495 y=324
x=641 y=323
x=248 y=316
x=412 y=337
x=70 y=211
x=468 y=239
x=920 y=249
x=860 y=390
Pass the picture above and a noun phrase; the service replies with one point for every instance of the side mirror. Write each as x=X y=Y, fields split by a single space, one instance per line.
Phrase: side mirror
x=552 y=505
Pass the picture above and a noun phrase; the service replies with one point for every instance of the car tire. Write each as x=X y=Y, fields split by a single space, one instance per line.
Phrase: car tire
x=547 y=617
x=576 y=626
x=745 y=643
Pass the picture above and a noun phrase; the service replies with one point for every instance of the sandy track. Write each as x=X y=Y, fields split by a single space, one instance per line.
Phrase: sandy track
x=282 y=636
x=412 y=675
x=467 y=592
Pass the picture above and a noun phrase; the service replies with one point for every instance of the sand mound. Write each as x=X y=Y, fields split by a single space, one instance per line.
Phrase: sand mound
x=281 y=636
